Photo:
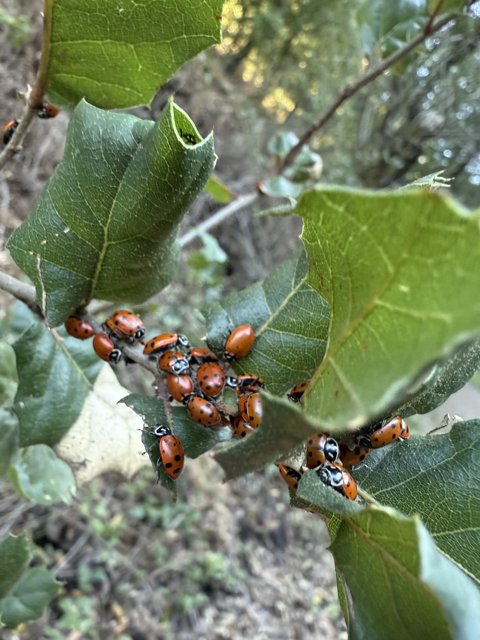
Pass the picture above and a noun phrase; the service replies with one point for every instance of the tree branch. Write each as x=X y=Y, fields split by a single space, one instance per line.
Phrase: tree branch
x=34 y=97
x=351 y=89
x=20 y=290
x=222 y=214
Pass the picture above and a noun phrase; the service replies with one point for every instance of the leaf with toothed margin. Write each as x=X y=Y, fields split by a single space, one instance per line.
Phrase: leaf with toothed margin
x=400 y=271
x=290 y=320
x=436 y=477
x=117 y=53
x=284 y=427
x=105 y=225
x=397 y=584
x=195 y=438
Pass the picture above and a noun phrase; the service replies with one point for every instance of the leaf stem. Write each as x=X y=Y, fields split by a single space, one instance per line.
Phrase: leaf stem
x=351 y=89
x=34 y=97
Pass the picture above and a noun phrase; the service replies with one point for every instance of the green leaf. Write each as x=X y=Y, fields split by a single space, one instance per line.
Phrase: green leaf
x=8 y=375
x=8 y=439
x=117 y=53
x=290 y=320
x=14 y=557
x=437 y=478
x=106 y=223
x=280 y=187
x=195 y=438
x=446 y=378
x=400 y=271
x=218 y=190
x=29 y=597
x=411 y=590
x=55 y=377
x=284 y=427
x=41 y=477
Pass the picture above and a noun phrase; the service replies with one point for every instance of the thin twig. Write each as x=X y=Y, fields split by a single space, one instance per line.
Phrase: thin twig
x=222 y=214
x=35 y=96
x=351 y=89
x=20 y=290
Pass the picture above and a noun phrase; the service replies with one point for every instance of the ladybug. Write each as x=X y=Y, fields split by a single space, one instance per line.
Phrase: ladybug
x=252 y=411
x=171 y=451
x=320 y=449
x=180 y=386
x=245 y=383
x=211 y=379
x=203 y=411
x=242 y=403
x=48 y=110
x=105 y=348
x=188 y=138
x=351 y=457
x=239 y=343
x=173 y=362
x=389 y=431
x=334 y=475
x=295 y=394
x=164 y=342
x=241 y=429
x=200 y=355
x=125 y=325
x=290 y=475
x=8 y=130
x=78 y=328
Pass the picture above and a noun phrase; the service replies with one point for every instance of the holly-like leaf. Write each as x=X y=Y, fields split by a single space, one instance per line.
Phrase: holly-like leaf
x=105 y=225
x=400 y=271
x=411 y=590
x=8 y=375
x=290 y=321
x=41 y=477
x=54 y=379
x=437 y=478
x=8 y=439
x=117 y=53
x=29 y=597
x=14 y=557
x=195 y=438
x=446 y=378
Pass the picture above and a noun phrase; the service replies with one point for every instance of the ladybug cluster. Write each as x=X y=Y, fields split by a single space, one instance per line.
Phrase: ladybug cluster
x=330 y=458
x=46 y=111
x=195 y=376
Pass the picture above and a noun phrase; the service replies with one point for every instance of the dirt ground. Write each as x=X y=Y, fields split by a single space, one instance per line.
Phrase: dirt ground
x=227 y=560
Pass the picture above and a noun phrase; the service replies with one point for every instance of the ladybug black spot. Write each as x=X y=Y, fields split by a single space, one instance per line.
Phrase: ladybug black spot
x=168 y=465
x=178 y=458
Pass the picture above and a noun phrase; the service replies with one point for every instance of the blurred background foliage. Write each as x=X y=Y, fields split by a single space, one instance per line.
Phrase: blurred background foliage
x=421 y=117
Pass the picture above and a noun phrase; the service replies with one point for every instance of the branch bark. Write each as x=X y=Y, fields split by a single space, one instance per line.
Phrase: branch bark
x=34 y=97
